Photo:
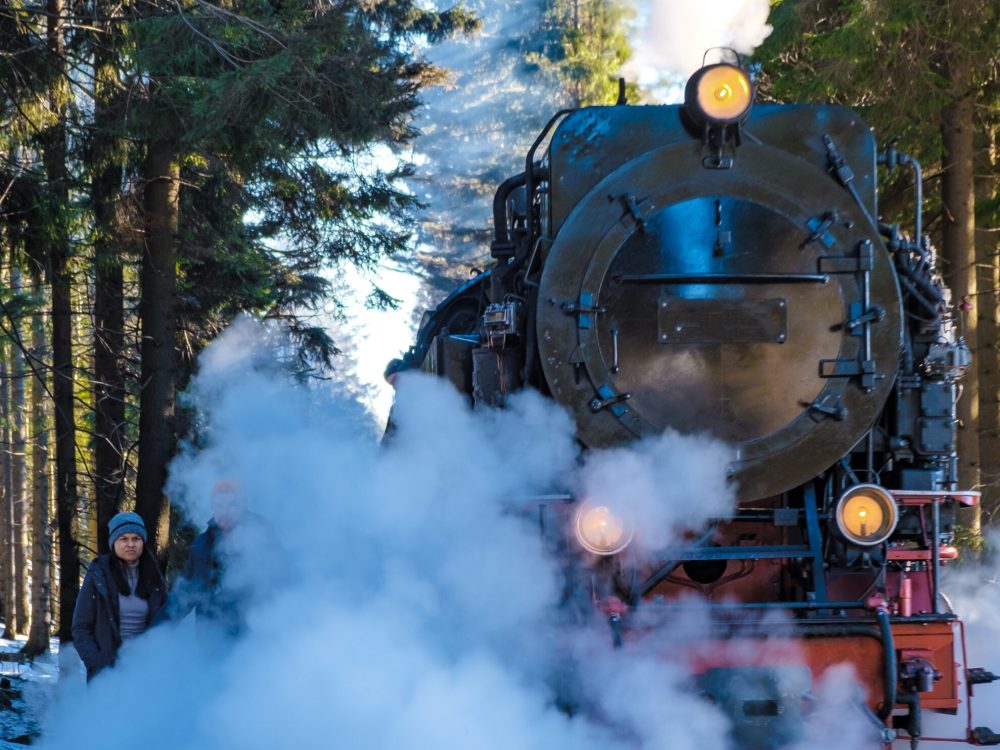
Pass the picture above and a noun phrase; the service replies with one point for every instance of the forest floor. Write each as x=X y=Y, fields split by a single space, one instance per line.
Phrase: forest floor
x=25 y=689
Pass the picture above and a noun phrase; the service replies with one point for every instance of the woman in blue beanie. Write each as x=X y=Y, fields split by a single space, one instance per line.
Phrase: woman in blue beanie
x=123 y=593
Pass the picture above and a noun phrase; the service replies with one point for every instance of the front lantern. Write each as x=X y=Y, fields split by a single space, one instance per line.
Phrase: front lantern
x=600 y=531
x=718 y=96
x=866 y=515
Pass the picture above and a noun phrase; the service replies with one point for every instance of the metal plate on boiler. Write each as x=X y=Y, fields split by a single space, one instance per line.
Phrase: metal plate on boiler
x=721 y=321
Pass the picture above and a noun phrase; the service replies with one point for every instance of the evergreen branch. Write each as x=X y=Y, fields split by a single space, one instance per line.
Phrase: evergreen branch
x=212 y=42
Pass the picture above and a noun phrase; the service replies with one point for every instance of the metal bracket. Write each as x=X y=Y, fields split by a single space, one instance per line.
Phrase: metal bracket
x=984 y=736
x=859 y=319
x=819 y=226
x=608 y=398
x=584 y=308
x=844 y=264
x=831 y=405
x=979 y=676
x=632 y=206
x=849 y=368
x=843 y=173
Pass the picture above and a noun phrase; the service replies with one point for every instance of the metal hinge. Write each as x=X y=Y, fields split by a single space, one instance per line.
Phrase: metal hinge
x=855 y=326
x=584 y=309
x=819 y=226
x=608 y=398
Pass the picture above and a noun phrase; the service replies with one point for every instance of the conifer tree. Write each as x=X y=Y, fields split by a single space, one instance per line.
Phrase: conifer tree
x=924 y=73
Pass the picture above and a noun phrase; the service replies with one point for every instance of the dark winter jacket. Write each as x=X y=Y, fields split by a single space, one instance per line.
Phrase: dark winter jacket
x=95 y=618
x=224 y=572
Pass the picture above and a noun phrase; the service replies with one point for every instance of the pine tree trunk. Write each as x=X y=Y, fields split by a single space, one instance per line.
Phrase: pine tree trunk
x=986 y=185
x=109 y=317
x=41 y=542
x=159 y=363
x=18 y=469
x=54 y=157
x=959 y=250
x=6 y=507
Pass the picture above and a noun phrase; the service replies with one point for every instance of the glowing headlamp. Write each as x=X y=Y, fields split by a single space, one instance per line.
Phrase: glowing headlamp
x=719 y=95
x=600 y=531
x=866 y=515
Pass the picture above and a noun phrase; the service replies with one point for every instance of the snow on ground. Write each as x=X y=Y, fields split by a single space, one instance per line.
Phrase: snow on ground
x=26 y=688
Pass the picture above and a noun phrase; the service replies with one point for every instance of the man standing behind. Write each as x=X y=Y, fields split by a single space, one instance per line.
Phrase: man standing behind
x=223 y=572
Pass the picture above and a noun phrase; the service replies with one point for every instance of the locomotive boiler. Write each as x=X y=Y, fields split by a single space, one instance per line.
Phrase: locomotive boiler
x=719 y=267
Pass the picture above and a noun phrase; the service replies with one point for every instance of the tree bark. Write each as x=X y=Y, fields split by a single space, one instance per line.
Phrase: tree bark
x=41 y=542
x=6 y=509
x=17 y=476
x=161 y=202
x=109 y=300
x=54 y=157
x=988 y=365
x=958 y=248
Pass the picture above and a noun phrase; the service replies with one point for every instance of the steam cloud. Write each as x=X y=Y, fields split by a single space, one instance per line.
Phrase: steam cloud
x=674 y=35
x=409 y=610
x=403 y=607
x=973 y=591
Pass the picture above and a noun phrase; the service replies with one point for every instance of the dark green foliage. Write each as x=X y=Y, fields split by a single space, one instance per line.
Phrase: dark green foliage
x=272 y=105
x=584 y=43
x=886 y=58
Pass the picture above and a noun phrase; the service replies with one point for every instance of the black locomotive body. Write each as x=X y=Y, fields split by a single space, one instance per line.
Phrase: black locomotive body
x=671 y=267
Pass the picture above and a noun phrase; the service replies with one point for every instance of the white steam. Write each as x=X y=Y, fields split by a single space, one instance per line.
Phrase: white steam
x=974 y=592
x=658 y=488
x=475 y=132
x=672 y=37
x=398 y=604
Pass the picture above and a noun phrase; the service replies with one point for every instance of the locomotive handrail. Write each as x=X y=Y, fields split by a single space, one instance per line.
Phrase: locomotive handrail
x=754 y=552
x=723 y=278
x=529 y=171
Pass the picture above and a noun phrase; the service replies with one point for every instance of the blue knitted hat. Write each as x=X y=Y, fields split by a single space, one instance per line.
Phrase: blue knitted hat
x=125 y=523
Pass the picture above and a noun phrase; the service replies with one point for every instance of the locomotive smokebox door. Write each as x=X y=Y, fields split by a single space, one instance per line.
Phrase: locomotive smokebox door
x=729 y=302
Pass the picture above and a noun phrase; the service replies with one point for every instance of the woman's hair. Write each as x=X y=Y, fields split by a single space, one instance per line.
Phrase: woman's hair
x=149 y=575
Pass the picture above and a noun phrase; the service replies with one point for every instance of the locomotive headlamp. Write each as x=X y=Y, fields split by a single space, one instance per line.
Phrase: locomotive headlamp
x=600 y=531
x=866 y=515
x=719 y=95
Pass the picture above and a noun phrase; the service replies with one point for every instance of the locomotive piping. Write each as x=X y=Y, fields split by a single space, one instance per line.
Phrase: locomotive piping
x=890 y=157
x=885 y=710
x=935 y=554
x=507 y=187
x=913 y=724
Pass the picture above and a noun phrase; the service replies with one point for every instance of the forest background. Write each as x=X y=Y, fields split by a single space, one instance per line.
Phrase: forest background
x=166 y=166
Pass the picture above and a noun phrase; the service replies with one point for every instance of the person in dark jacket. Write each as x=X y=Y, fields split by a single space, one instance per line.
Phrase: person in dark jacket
x=228 y=563
x=123 y=593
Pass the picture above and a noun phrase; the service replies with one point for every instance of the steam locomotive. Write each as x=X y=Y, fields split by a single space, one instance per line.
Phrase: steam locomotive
x=718 y=267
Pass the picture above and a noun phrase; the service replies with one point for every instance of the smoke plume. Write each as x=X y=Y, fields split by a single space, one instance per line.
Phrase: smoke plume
x=673 y=36
x=398 y=604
